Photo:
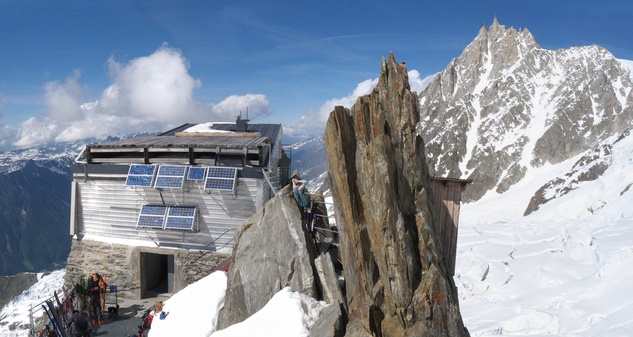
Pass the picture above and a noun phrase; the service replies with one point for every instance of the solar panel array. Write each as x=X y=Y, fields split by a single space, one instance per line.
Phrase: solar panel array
x=140 y=175
x=170 y=176
x=221 y=178
x=173 y=176
x=167 y=217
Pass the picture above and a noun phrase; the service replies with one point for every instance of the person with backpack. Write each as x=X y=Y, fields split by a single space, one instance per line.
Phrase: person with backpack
x=303 y=201
x=94 y=294
x=103 y=286
x=81 y=322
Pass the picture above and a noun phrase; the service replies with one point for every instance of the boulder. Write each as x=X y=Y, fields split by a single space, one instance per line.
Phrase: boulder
x=330 y=322
x=271 y=250
x=397 y=283
x=328 y=280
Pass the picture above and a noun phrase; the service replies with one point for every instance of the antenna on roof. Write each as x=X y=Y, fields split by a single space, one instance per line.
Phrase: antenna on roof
x=241 y=125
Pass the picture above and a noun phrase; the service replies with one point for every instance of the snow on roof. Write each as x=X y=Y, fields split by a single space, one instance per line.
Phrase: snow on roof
x=206 y=127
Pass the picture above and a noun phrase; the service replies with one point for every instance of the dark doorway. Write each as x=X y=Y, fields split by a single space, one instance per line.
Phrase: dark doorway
x=157 y=274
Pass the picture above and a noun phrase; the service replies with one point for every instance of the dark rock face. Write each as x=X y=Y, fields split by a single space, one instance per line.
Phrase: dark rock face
x=396 y=282
x=12 y=286
x=34 y=218
x=271 y=251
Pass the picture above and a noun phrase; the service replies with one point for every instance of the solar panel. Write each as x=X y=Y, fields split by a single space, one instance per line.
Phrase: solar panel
x=140 y=175
x=180 y=217
x=151 y=216
x=221 y=178
x=196 y=173
x=170 y=176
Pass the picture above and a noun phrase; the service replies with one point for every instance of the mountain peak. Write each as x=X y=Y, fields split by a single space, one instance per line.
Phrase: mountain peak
x=505 y=106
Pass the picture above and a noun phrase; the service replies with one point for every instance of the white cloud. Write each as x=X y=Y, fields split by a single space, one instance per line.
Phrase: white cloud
x=149 y=93
x=64 y=99
x=158 y=87
x=7 y=133
x=35 y=131
x=255 y=104
x=312 y=122
x=418 y=84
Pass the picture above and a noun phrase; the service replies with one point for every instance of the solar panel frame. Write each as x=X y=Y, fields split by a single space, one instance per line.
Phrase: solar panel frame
x=221 y=178
x=194 y=173
x=181 y=217
x=170 y=176
x=140 y=175
x=152 y=216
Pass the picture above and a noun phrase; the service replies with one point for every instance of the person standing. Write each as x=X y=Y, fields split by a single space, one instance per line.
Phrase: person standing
x=299 y=190
x=102 y=297
x=81 y=322
x=94 y=295
x=303 y=201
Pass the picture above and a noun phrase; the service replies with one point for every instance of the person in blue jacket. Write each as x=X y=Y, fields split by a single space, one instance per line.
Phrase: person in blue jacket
x=303 y=201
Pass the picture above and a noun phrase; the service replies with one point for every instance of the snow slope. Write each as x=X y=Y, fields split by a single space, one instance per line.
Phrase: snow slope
x=565 y=270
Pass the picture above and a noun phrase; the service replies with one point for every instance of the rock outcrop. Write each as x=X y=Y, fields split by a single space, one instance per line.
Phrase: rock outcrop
x=271 y=250
x=12 y=286
x=396 y=282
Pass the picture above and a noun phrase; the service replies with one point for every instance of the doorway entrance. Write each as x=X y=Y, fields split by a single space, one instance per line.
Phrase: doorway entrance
x=157 y=274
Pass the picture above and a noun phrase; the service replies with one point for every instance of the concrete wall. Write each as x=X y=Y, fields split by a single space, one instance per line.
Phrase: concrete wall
x=122 y=264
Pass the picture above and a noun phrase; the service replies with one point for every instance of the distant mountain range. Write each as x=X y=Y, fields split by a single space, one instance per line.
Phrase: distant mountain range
x=34 y=209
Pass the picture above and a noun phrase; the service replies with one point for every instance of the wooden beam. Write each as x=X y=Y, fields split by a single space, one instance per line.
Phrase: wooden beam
x=219 y=134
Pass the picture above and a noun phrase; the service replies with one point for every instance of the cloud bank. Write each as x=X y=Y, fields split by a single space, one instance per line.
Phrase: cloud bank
x=149 y=93
x=155 y=93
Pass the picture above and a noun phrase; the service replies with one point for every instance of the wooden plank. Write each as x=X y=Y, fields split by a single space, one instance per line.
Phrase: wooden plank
x=219 y=134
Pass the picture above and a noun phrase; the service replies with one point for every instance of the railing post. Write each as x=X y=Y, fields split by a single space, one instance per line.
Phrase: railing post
x=32 y=324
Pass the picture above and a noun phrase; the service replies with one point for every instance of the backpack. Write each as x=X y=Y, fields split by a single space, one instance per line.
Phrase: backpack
x=147 y=320
x=301 y=198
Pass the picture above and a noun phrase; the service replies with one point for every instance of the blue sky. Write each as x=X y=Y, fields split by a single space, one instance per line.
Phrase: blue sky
x=72 y=69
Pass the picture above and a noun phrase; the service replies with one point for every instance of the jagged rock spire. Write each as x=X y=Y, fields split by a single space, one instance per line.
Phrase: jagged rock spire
x=397 y=283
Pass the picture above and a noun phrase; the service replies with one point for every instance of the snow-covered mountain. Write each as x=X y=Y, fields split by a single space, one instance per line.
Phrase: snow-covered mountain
x=505 y=107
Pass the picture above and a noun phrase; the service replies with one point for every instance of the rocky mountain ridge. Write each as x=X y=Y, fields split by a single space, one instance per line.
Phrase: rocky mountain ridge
x=505 y=106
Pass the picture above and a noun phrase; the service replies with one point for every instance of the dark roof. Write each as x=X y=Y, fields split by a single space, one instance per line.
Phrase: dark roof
x=251 y=145
x=185 y=141
x=268 y=134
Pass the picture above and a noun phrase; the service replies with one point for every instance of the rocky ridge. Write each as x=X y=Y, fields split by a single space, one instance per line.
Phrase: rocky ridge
x=505 y=106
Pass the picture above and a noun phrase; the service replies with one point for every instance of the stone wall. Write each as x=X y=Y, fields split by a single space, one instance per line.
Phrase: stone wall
x=122 y=264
